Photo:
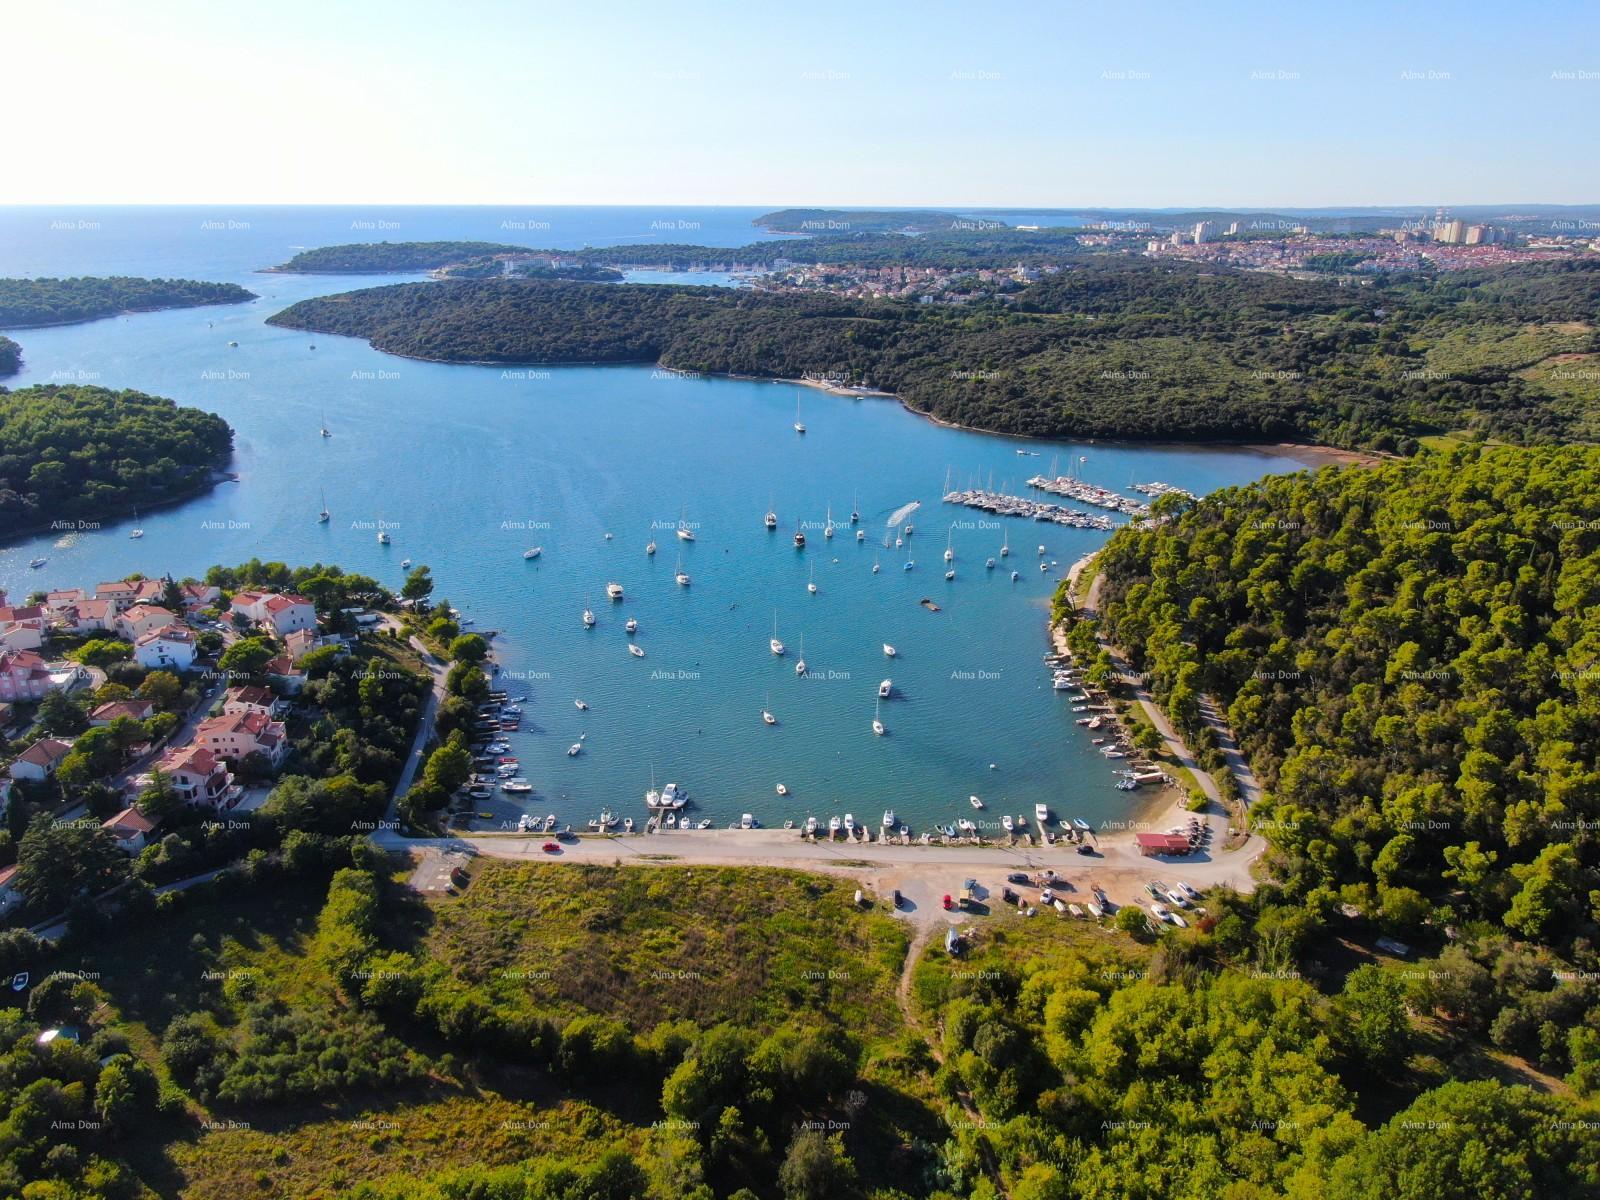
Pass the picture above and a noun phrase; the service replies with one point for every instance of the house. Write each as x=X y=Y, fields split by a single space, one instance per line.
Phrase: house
x=300 y=643
x=249 y=605
x=135 y=710
x=40 y=760
x=130 y=828
x=20 y=635
x=234 y=736
x=171 y=648
x=1153 y=844
x=121 y=594
x=23 y=676
x=141 y=619
x=88 y=616
x=197 y=775
x=251 y=699
x=285 y=674
x=64 y=599
x=199 y=595
x=9 y=896
x=285 y=614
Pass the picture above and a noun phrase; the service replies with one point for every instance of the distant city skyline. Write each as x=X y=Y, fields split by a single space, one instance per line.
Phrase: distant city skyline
x=930 y=105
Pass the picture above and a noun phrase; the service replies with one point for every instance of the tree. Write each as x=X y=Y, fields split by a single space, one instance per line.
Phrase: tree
x=57 y=862
x=816 y=1168
x=102 y=652
x=465 y=679
x=164 y=688
x=449 y=766
x=160 y=800
x=60 y=714
x=246 y=657
x=1372 y=1024
x=418 y=584
x=470 y=648
x=64 y=999
x=125 y=1095
x=1130 y=919
x=1551 y=885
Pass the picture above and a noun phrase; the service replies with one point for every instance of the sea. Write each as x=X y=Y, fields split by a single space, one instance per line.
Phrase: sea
x=470 y=466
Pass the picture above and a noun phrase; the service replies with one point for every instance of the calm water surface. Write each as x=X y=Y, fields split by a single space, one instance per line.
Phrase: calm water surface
x=470 y=465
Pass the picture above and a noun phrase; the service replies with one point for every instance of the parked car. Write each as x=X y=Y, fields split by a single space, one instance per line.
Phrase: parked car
x=552 y=848
x=948 y=903
x=1019 y=877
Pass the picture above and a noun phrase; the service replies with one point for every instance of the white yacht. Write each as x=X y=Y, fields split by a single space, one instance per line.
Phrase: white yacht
x=888 y=818
x=800 y=666
x=861 y=535
x=989 y=565
x=575 y=749
x=827 y=529
x=632 y=625
x=383 y=537
x=650 y=547
x=811 y=825
x=322 y=517
x=1041 y=813
x=889 y=651
x=849 y=825
x=833 y=826
x=533 y=552
x=783 y=790
x=747 y=821
x=681 y=576
x=136 y=532
x=799 y=425
x=588 y=618
x=766 y=713
x=773 y=643
x=811 y=583
x=614 y=590
x=949 y=550
x=877 y=722
x=635 y=650
x=885 y=688
x=1005 y=544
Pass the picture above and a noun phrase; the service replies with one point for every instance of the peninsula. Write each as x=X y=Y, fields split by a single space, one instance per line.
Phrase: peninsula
x=29 y=302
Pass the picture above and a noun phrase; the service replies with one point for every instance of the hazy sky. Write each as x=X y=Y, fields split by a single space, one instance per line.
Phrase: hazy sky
x=725 y=102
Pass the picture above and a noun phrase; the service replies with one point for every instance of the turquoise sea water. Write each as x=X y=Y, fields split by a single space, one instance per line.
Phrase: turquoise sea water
x=471 y=465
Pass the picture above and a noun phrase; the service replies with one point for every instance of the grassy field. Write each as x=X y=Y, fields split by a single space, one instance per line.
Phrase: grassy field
x=1476 y=347
x=701 y=943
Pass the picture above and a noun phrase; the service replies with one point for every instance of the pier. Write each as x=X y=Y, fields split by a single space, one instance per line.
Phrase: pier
x=1089 y=493
x=1018 y=506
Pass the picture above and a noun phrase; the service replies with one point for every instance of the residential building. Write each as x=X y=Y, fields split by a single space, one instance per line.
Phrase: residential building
x=285 y=674
x=200 y=595
x=140 y=619
x=134 y=710
x=171 y=648
x=251 y=699
x=65 y=598
x=121 y=593
x=20 y=635
x=235 y=736
x=1152 y=844
x=196 y=774
x=88 y=616
x=40 y=760
x=23 y=676
x=9 y=896
x=130 y=828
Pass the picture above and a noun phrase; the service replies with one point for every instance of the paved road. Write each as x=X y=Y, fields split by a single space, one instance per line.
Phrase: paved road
x=430 y=712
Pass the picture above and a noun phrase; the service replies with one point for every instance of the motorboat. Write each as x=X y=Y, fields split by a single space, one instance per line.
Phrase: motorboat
x=885 y=689
x=581 y=705
x=849 y=825
x=631 y=625
x=1041 y=813
x=989 y=565
x=668 y=799
x=747 y=821
x=533 y=552
x=604 y=821
x=575 y=749
x=635 y=650
x=782 y=789
x=861 y=535
x=671 y=822
x=889 y=651
x=627 y=824
x=704 y=824
x=811 y=825
x=772 y=519
x=1042 y=551
x=975 y=802
x=383 y=537
x=37 y=563
x=1007 y=823
x=1080 y=824
x=1015 y=576
x=614 y=591
x=515 y=785
x=888 y=818
x=833 y=826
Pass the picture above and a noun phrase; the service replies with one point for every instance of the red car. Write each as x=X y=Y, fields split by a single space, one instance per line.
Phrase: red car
x=552 y=848
x=949 y=903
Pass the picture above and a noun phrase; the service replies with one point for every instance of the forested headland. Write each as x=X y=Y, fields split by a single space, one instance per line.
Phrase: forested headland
x=10 y=357
x=1111 y=347
x=356 y=258
x=25 y=302
x=78 y=452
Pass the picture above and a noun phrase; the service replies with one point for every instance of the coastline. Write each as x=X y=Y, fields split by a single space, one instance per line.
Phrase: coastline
x=214 y=477
x=125 y=312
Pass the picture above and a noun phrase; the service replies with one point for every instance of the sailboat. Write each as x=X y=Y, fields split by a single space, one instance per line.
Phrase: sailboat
x=1005 y=544
x=827 y=529
x=383 y=534
x=650 y=547
x=322 y=517
x=800 y=667
x=949 y=550
x=811 y=584
x=799 y=425
x=136 y=531
x=681 y=575
x=799 y=536
x=588 y=617
x=855 y=511
x=766 y=713
x=685 y=534
x=324 y=430
x=772 y=515
x=877 y=721
x=875 y=566
x=775 y=645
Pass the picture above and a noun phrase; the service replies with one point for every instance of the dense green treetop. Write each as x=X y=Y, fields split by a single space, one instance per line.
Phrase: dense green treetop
x=10 y=357
x=26 y=302
x=71 y=452
x=1410 y=656
x=1110 y=347
x=357 y=257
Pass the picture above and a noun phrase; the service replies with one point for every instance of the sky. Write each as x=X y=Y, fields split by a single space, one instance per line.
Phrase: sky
x=873 y=102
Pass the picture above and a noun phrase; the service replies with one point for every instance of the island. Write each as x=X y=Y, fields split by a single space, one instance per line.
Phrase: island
x=10 y=357
x=1108 y=347
x=825 y=221
x=71 y=454
x=31 y=302
x=388 y=258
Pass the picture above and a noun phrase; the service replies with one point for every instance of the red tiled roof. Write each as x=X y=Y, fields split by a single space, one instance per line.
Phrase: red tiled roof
x=45 y=751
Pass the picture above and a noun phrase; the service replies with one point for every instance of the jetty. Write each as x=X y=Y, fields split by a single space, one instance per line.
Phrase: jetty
x=1092 y=494
x=1019 y=506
